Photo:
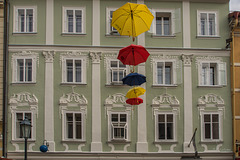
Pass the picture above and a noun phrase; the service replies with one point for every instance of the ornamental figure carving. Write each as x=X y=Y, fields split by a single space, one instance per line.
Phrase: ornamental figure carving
x=187 y=59
x=49 y=56
x=96 y=56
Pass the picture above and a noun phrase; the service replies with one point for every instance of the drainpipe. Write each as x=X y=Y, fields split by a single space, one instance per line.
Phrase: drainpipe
x=5 y=76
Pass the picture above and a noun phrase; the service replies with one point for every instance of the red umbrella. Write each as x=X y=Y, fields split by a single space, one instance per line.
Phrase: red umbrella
x=133 y=55
x=134 y=101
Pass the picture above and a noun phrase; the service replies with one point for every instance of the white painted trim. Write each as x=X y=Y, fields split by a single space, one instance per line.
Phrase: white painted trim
x=64 y=27
x=49 y=22
x=15 y=18
x=186 y=24
x=96 y=23
x=108 y=10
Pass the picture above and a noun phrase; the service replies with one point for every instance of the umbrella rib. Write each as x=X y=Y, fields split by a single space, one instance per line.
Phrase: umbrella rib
x=142 y=19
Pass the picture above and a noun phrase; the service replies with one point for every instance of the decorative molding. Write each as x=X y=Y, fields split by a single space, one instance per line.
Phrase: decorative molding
x=209 y=99
x=96 y=56
x=165 y=151
x=118 y=151
x=23 y=97
x=187 y=60
x=78 y=150
x=49 y=56
x=156 y=57
x=165 y=99
x=206 y=148
x=116 y=98
x=33 y=55
x=199 y=59
x=74 y=54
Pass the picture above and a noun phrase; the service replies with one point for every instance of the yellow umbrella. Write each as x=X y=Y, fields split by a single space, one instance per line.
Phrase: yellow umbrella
x=135 y=92
x=132 y=19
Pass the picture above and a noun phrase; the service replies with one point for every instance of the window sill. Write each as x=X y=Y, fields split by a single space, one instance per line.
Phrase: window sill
x=118 y=141
x=23 y=83
x=163 y=36
x=210 y=86
x=115 y=35
x=161 y=86
x=211 y=141
x=73 y=141
x=208 y=37
x=80 y=84
x=74 y=34
x=23 y=140
x=166 y=142
x=24 y=33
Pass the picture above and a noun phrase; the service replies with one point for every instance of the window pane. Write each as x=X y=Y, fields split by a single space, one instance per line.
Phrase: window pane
x=114 y=63
x=161 y=118
x=212 y=24
x=160 y=73
x=215 y=130
x=29 y=23
x=21 y=20
x=70 y=20
x=212 y=79
x=69 y=125
x=207 y=131
x=114 y=117
x=123 y=118
x=161 y=130
x=19 y=119
x=28 y=70
x=215 y=118
x=20 y=69
x=170 y=130
x=203 y=23
x=78 y=71
x=69 y=70
x=166 y=25
x=167 y=74
x=207 y=118
x=158 y=24
x=78 y=15
x=169 y=118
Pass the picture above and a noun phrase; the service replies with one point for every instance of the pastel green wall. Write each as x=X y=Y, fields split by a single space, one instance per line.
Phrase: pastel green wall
x=40 y=36
x=223 y=10
x=65 y=39
x=36 y=89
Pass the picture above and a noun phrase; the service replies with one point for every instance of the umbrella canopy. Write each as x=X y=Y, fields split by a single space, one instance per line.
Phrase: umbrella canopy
x=134 y=101
x=132 y=19
x=135 y=92
x=133 y=55
x=134 y=79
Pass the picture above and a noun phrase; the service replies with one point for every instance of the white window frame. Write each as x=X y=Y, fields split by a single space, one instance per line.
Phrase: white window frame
x=221 y=73
x=173 y=74
x=199 y=23
x=24 y=102
x=24 y=56
x=64 y=20
x=172 y=21
x=15 y=18
x=110 y=127
x=156 y=126
x=64 y=123
x=109 y=29
x=220 y=117
x=109 y=71
x=64 y=59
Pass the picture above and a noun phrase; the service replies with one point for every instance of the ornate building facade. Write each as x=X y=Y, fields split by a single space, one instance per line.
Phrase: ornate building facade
x=64 y=77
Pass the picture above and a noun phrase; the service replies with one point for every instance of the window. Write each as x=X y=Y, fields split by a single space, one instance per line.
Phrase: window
x=163 y=23
x=118 y=71
x=166 y=72
x=25 y=19
x=24 y=67
x=73 y=126
x=165 y=127
x=212 y=73
x=24 y=70
x=207 y=23
x=73 y=68
x=211 y=126
x=166 y=22
x=20 y=116
x=74 y=20
x=110 y=30
x=119 y=126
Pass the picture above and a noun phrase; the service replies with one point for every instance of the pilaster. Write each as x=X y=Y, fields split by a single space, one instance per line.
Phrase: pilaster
x=96 y=23
x=48 y=104
x=186 y=25
x=188 y=119
x=96 y=145
x=49 y=22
